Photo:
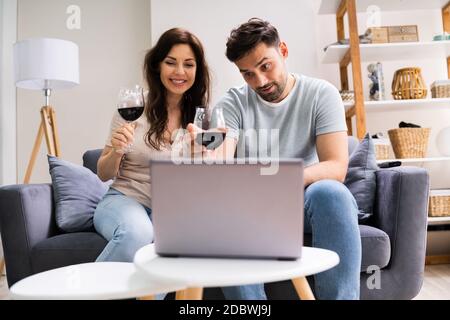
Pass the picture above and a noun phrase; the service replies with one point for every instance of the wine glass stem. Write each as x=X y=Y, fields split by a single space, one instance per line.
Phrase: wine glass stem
x=130 y=145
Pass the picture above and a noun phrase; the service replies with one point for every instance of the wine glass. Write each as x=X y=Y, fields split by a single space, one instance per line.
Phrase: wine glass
x=200 y=117
x=219 y=119
x=213 y=137
x=131 y=106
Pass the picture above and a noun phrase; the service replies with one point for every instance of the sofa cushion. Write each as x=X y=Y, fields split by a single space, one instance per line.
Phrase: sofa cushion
x=376 y=247
x=66 y=249
x=77 y=192
x=361 y=179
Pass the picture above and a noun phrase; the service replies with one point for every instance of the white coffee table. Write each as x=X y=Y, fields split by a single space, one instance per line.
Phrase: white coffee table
x=198 y=273
x=99 y=281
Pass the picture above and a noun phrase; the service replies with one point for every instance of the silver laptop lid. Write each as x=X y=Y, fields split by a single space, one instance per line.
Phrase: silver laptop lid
x=228 y=210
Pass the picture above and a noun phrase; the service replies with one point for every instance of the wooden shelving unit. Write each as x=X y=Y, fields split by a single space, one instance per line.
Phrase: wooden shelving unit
x=351 y=56
x=438 y=235
x=355 y=53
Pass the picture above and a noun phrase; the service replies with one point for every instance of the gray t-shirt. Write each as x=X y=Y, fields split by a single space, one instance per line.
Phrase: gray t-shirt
x=287 y=129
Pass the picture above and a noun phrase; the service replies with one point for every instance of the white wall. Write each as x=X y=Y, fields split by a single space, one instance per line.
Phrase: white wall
x=113 y=39
x=212 y=22
x=8 y=34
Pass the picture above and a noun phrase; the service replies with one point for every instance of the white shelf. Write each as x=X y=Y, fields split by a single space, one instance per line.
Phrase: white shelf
x=439 y=192
x=439 y=220
x=398 y=105
x=391 y=51
x=331 y=6
x=433 y=221
x=416 y=160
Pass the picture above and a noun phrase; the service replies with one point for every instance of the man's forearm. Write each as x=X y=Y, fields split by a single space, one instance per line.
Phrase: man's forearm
x=327 y=170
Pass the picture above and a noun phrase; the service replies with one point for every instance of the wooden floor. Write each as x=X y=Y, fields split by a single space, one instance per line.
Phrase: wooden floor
x=436 y=284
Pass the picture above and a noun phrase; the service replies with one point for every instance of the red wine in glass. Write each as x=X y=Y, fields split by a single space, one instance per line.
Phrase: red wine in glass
x=131 y=114
x=131 y=105
x=213 y=137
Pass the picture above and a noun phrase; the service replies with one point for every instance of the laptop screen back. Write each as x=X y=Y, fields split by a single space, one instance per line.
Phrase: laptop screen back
x=227 y=210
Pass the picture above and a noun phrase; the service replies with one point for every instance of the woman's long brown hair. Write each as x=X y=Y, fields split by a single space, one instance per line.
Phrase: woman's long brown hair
x=197 y=95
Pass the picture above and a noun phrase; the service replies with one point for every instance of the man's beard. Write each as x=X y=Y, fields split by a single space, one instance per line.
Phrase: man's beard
x=276 y=94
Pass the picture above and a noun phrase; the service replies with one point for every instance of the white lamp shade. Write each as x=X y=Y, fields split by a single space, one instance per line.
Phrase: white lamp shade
x=44 y=63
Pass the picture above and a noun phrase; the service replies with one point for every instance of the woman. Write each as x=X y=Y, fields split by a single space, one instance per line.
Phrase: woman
x=178 y=79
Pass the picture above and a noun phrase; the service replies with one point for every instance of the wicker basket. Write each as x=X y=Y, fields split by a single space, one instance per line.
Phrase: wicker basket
x=440 y=89
x=408 y=84
x=347 y=96
x=409 y=142
x=382 y=147
x=439 y=205
x=382 y=151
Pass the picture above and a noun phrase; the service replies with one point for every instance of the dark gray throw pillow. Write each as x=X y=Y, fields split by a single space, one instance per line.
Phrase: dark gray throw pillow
x=77 y=191
x=361 y=179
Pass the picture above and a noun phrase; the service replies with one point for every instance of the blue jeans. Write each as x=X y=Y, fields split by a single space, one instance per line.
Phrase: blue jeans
x=126 y=225
x=331 y=216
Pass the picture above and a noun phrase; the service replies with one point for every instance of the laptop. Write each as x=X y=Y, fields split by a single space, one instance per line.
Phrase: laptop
x=228 y=210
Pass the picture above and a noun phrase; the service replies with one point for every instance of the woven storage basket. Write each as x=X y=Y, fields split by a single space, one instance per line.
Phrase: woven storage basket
x=382 y=151
x=382 y=147
x=409 y=142
x=408 y=84
x=440 y=89
x=439 y=205
x=347 y=95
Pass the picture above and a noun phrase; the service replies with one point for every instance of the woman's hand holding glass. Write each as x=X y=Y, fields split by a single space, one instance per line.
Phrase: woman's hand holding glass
x=122 y=138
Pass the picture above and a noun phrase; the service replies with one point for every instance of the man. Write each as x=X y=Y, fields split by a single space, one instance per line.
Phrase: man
x=308 y=116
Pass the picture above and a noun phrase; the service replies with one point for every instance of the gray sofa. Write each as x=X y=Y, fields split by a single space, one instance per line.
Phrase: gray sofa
x=394 y=239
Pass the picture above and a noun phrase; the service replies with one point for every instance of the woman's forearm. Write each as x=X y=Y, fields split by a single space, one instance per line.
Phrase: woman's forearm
x=108 y=165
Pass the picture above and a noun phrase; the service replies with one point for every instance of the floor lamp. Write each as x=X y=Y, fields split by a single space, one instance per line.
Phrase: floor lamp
x=46 y=64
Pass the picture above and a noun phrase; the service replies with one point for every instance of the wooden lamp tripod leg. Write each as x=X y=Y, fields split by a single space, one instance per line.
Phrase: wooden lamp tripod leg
x=34 y=154
x=54 y=132
x=47 y=128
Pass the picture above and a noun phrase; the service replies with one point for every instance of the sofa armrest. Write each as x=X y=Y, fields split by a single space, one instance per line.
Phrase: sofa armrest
x=26 y=218
x=401 y=210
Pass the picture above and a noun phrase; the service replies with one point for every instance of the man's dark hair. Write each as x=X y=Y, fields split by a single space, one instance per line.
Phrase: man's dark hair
x=250 y=34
